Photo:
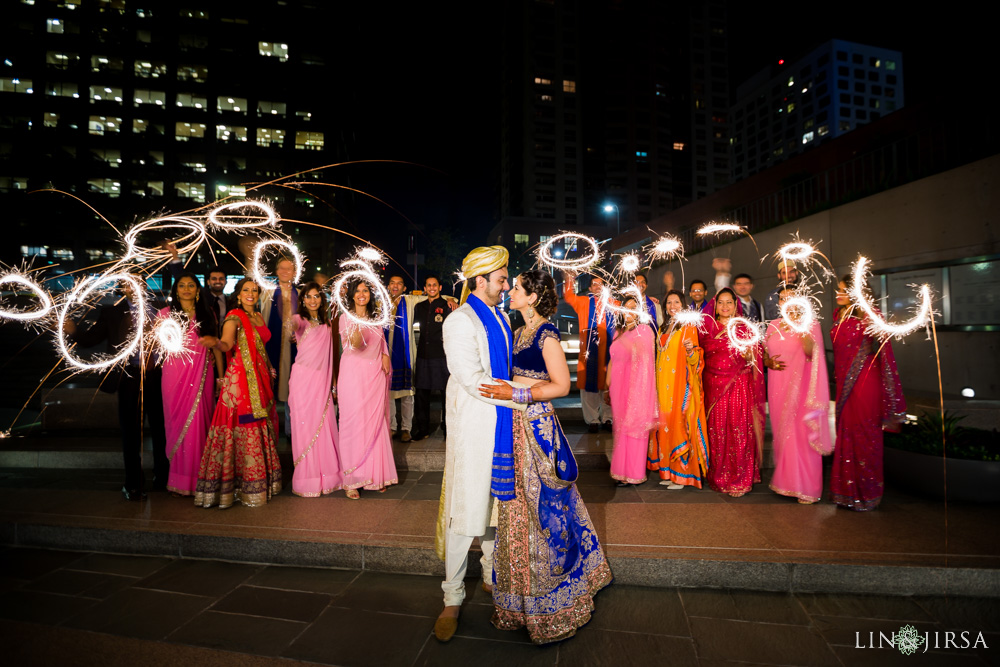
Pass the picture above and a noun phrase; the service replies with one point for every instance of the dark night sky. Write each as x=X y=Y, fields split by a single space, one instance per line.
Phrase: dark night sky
x=423 y=86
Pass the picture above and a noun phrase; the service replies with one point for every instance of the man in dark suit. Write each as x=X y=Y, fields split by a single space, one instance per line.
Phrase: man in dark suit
x=750 y=307
x=137 y=383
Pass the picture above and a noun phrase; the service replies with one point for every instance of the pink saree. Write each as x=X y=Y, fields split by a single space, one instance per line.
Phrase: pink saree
x=734 y=404
x=632 y=386
x=314 y=416
x=798 y=398
x=363 y=390
x=188 y=401
x=869 y=398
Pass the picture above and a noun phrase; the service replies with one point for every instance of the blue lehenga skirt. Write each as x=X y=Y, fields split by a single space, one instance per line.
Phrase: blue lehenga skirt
x=547 y=562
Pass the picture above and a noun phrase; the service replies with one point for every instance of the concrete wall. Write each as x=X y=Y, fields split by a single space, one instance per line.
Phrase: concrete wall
x=946 y=217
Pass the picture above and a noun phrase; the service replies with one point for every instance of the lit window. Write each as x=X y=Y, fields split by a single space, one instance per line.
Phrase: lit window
x=107 y=186
x=222 y=190
x=545 y=98
x=111 y=156
x=271 y=108
x=188 y=131
x=270 y=137
x=151 y=69
x=791 y=81
x=192 y=100
x=237 y=104
x=60 y=89
x=807 y=137
x=678 y=146
x=139 y=125
x=193 y=14
x=230 y=133
x=60 y=60
x=809 y=123
x=143 y=96
x=791 y=107
x=34 y=250
x=543 y=82
x=15 y=85
x=55 y=26
x=193 y=164
x=823 y=130
x=105 y=94
x=890 y=64
x=569 y=86
x=272 y=50
x=641 y=154
x=195 y=191
x=521 y=240
x=309 y=141
x=50 y=119
x=117 y=6
x=8 y=183
x=102 y=125
x=105 y=64
x=142 y=189
x=304 y=115
x=192 y=73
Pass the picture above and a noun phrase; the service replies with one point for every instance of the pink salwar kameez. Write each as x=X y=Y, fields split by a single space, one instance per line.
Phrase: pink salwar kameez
x=798 y=397
x=363 y=392
x=632 y=385
x=188 y=401
x=314 y=415
x=869 y=398
x=734 y=400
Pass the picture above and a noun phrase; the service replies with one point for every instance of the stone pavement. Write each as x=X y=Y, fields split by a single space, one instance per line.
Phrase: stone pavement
x=61 y=607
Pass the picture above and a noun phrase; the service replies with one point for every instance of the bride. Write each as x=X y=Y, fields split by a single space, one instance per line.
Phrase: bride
x=547 y=563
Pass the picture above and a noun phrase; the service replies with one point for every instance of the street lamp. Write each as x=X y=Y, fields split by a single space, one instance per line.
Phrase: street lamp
x=618 y=215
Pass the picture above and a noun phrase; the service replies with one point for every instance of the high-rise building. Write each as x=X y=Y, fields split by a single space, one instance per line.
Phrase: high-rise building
x=793 y=105
x=143 y=108
x=609 y=105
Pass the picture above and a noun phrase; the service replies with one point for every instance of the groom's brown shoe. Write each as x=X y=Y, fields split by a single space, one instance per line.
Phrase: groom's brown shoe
x=445 y=627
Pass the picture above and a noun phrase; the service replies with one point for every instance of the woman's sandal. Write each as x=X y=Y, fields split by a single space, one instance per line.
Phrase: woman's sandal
x=353 y=494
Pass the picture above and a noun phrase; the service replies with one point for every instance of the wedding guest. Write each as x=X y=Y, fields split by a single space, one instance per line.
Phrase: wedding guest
x=311 y=395
x=788 y=276
x=240 y=462
x=749 y=307
x=363 y=385
x=592 y=363
x=798 y=399
x=432 y=367
x=277 y=306
x=698 y=292
x=679 y=450
x=869 y=399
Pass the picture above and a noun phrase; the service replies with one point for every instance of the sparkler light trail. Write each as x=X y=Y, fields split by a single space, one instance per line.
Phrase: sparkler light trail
x=168 y=334
x=383 y=316
x=607 y=305
x=44 y=300
x=723 y=227
x=666 y=247
x=794 y=252
x=877 y=325
x=807 y=315
x=371 y=255
x=630 y=263
x=687 y=317
x=580 y=264
x=187 y=243
x=739 y=342
x=268 y=216
x=79 y=295
x=258 y=251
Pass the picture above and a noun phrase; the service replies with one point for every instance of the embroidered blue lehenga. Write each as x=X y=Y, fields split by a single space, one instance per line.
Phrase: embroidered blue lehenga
x=548 y=563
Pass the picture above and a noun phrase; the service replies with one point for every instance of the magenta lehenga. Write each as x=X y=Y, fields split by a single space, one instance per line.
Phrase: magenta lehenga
x=548 y=563
x=314 y=416
x=633 y=402
x=363 y=392
x=188 y=400
x=869 y=398
x=798 y=398
x=734 y=404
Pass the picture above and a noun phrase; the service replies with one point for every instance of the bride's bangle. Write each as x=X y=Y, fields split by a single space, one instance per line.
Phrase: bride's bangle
x=521 y=395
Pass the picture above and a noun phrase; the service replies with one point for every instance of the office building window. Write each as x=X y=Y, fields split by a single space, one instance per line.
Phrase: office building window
x=151 y=69
x=569 y=86
x=309 y=141
x=101 y=125
x=156 y=97
x=110 y=156
x=188 y=131
x=55 y=26
x=270 y=137
x=230 y=133
x=678 y=146
x=105 y=64
x=237 y=104
x=193 y=163
x=105 y=93
x=192 y=100
x=14 y=84
x=50 y=119
x=542 y=81
x=61 y=60
x=823 y=130
x=197 y=73
x=890 y=65
x=195 y=191
x=271 y=108
x=106 y=186
x=222 y=190
x=807 y=137
x=273 y=50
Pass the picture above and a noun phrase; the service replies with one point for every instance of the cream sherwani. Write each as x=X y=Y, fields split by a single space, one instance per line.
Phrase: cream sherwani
x=472 y=419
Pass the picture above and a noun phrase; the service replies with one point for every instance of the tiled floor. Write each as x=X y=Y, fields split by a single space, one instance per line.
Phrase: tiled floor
x=76 y=608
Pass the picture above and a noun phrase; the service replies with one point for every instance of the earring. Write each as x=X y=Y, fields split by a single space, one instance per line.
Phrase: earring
x=531 y=313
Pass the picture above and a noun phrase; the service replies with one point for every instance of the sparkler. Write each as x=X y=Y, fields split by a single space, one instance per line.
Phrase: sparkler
x=687 y=317
x=619 y=311
x=723 y=227
x=740 y=342
x=169 y=335
x=268 y=216
x=877 y=325
x=384 y=314
x=371 y=255
x=629 y=263
x=807 y=315
x=79 y=295
x=187 y=243
x=794 y=252
x=580 y=264
x=258 y=250
x=665 y=247
x=44 y=300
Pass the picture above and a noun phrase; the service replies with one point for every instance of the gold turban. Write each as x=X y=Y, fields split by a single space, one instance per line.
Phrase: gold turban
x=482 y=261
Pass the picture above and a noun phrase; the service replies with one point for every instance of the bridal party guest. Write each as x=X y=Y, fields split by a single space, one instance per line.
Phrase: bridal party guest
x=310 y=398
x=632 y=393
x=188 y=385
x=363 y=386
x=869 y=398
x=798 y=398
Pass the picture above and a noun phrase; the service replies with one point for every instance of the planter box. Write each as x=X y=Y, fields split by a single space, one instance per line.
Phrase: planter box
x=971 y=481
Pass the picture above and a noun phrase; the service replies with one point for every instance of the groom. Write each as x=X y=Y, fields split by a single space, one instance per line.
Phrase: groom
x=479 y=459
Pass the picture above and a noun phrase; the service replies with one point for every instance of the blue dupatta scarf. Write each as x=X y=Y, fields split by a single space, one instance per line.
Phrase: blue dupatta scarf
x=499 y=335
x=402 y=372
